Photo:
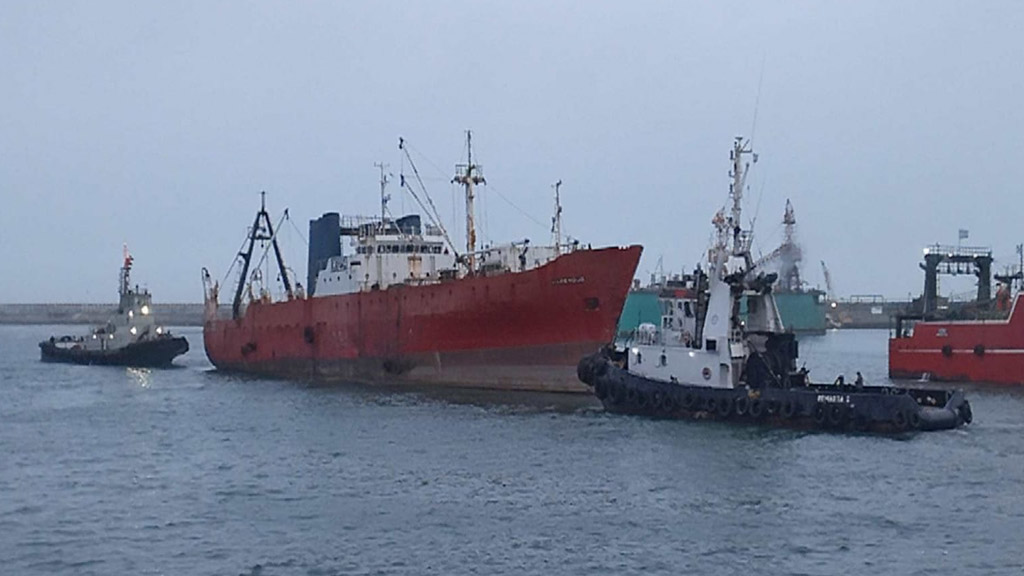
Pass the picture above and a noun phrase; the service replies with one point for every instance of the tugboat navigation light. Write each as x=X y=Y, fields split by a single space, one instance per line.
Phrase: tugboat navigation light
x=144 y=310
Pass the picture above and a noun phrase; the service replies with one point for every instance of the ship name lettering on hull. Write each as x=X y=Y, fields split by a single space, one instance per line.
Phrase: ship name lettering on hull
x=833 y=398
x=569 y=280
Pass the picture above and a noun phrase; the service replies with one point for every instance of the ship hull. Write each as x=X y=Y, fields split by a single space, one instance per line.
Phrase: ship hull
x=837 y=408
x=514 y=331
x=157 y=353
x=985 y=351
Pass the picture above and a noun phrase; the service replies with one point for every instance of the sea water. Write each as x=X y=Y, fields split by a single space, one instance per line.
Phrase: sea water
x=191 y=471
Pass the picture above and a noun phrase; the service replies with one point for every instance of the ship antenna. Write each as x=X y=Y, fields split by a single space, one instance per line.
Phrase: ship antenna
x=468 y=175
x=556 y=220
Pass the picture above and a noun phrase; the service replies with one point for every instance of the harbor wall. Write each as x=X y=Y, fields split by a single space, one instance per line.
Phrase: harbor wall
x=865 y=313
x=187 y=314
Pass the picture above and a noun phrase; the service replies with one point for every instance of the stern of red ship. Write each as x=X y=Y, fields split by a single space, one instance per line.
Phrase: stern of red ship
x=989 y=351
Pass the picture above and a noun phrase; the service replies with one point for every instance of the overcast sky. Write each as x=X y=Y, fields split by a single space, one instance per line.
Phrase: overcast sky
x=890 y=125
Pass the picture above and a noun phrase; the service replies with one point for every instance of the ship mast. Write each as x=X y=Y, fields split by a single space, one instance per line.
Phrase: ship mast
x=740 y=147
x=384 y=197
x=556 y=220
x=262 y=233
x=468 y=175
x=126 y=270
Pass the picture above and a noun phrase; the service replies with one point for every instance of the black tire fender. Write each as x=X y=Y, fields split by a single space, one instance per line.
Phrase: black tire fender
x=914 y=419
x=836 y=415
x=965 y=412
x=742 y=406
x=688 y=401
x=899 y=421
x=725 y=407
x=820 y=414
x=710 y=405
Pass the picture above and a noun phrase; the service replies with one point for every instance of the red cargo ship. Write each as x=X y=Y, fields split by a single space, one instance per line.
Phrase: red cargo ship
x=403 y=307
x=982 y=341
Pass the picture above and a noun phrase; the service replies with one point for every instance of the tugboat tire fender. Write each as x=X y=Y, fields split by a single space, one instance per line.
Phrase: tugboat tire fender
x=688 y=401
x=979 y=349
x=820 y=414
x=725 y=407
x=756 y=409
x=899 y=421
x=615 y=393
x=642 y=399
x=600 y=367
x=914 y=419
x=947 y=350
x=836 y=415
x=657 y=399
x=631 y=395
x=668 y=404
x=742 y=406
x=710 y=405
x=788 y=409
x=965 y=412
x=601 y=390
x=583 y=371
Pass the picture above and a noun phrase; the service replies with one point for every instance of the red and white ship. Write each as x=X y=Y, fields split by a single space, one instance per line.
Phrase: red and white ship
x=978 y=342
x=402 y=306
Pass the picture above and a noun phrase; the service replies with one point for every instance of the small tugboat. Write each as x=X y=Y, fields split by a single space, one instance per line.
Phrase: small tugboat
x=705 y=362
x=132 y=338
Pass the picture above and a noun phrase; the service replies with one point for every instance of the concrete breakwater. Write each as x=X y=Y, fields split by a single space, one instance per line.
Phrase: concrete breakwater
x=187 y=314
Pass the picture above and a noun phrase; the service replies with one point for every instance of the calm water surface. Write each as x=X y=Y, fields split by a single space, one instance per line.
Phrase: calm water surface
x=189 y=471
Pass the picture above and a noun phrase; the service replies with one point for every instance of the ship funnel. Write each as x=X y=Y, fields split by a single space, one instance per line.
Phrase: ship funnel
x=324 y=243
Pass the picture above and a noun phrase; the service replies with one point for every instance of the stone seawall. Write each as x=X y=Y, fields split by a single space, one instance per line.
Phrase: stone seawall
x=167 y=314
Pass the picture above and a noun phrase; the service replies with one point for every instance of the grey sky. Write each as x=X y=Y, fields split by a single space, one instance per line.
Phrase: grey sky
x=889 y=124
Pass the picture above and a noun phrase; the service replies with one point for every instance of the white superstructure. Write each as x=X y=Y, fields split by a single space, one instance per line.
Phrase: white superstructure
x=702 y=340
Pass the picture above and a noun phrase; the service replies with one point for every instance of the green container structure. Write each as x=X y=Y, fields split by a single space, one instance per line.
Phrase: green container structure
x=801 y=312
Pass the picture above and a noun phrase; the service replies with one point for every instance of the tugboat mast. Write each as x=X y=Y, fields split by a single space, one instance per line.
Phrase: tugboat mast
x=469 y=175
x=740 y=245
x=126 y=270
x=556 y=221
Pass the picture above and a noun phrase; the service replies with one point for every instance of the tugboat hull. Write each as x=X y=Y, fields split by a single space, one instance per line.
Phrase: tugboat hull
x=147 y=354
x=845 y=408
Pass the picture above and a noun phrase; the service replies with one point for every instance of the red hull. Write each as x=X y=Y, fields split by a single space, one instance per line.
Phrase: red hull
x=524 y=330
x=963 y=351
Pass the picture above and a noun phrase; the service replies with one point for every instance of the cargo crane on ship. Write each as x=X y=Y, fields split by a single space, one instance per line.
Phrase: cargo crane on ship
x=802 y=309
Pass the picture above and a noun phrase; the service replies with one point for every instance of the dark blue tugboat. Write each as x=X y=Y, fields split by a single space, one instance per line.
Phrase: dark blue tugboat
x=131 y=338
x=705 y=362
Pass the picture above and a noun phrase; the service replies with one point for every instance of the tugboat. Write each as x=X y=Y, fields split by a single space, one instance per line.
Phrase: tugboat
x=705 y=362
x=131 y=338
